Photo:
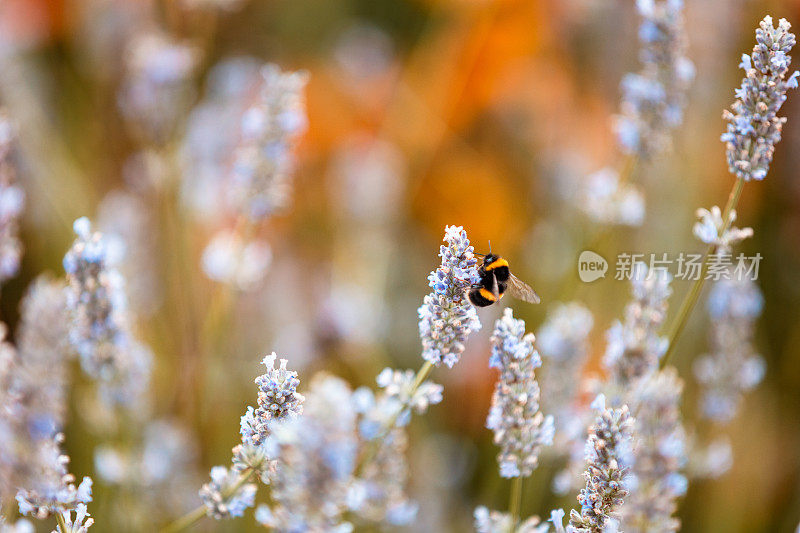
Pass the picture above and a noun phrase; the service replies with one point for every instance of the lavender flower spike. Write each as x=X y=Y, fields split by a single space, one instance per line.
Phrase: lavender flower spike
x=754 y=126
x=608 y=460
x=660 y=455
x=711 y=229
x=223 y=497
x=81 y=524
x=99 y=327
x=520 y=429
x=487 y=521
x=277 y=399
x=446 y=318
x=12 y=200
x=653 y=99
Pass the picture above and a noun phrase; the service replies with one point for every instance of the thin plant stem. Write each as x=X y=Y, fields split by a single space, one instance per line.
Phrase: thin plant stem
x=515 y=501
x=196 y=514
x=694 y=293
x=62 y=525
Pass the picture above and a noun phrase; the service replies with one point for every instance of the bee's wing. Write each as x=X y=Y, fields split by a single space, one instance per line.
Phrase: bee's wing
x=522 y=291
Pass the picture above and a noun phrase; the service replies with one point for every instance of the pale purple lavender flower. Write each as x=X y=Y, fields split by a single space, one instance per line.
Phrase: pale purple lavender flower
x=156 y=90
x=754 y=126
x=224 y=496
x=711 y=229
x=263 y=160
x=733 y=367
x=128 y=226
x=51 y=489
x=653 y=99
x=99 y=328
x=278 y=399
x=608 y=461
x=312 y=488
x=520 y=428
x=80 y=524
x=381 y=422
x=635 y=346
x=446 y=317
x=31 y=409
x=229 y=259
x=12 y=200
x=563 y=344
x=605 y=200
x=487 y=521
x=660 y=454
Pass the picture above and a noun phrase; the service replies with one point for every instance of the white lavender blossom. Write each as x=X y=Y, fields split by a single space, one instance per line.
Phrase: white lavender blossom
x=733 y=367
x=634 y=346
x=487 y=521
x=313 y=487
x=155 y=91
x=520 y=428
x=20 y=526
x=711 y=229
x=263 y=160
x=754 y=126
x=225 y=496
x=653 y=99
x=563 y=344
x=99 y=328
x=446 y=317
x=608 y=461
x=228 y=258
x=606 y=200
x=12 y=200
x=80 y=524
x=659 y=455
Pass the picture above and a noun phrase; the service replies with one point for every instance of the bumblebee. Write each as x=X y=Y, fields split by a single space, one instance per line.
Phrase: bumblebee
x=495 y=279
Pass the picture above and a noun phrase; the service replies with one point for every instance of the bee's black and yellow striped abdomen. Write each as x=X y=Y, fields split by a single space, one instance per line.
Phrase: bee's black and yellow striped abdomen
x=494 y=276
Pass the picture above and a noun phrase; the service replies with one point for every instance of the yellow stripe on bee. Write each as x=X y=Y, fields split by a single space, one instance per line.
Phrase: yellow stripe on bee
x=487 y=294
x=497 y=263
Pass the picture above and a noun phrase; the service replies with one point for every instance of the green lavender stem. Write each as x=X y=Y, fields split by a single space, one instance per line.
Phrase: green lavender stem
x=62 y=525
x=515 y=501
x=694 y=293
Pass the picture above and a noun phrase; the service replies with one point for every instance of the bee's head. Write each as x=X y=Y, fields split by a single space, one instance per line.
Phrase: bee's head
x=489 y=258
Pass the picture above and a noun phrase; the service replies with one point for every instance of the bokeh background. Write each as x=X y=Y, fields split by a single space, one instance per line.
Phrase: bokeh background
x=479 y=113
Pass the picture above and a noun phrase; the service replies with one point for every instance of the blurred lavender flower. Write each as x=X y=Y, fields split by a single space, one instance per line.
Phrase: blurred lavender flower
x=384 y=474
x=128 y=226
x=608 y=461
x=99 y=328
x=313 y=487
x=732 y=367
x=263 y=160
x=753 y=123
x=562 y=342
x=606 y=200
x=711 y=460
x=228 y=258
x=222 y=5
x=156 y=91
x=32 y=409
x=634 y=346
x=81 y=524
x=12 y=200
x=487 y=521
x=157 y=470
x=520 y=429
x=225 y=496
x=446 y=317
x=659 y=455
x=711 y=229
x=653 y=99
x=20 y=526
